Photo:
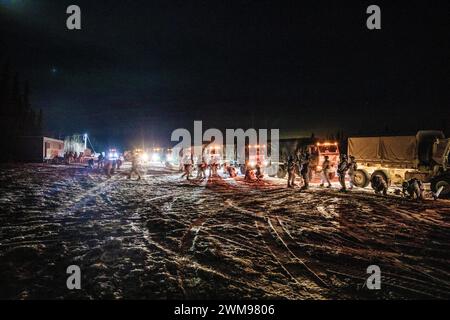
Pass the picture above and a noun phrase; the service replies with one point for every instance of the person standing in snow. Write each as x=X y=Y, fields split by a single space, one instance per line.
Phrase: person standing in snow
x=326 y=172
x=352 y=167
x=305 y=162
x=107 y=167
x=291 y=165
x=100 y=161
x=187 y=168
x=134 y=167
x=259 y=174
x=341 y=171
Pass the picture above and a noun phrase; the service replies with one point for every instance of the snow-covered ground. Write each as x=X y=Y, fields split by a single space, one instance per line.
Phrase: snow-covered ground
x=164 y=237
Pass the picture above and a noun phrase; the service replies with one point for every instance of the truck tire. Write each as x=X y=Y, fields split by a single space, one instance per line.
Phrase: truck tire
x=281 y=173
x=384 y=175
x=272 y=170
x=441 y=182
x=361 y=178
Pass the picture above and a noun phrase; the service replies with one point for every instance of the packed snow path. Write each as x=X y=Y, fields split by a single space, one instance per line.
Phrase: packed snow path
x=164 y=237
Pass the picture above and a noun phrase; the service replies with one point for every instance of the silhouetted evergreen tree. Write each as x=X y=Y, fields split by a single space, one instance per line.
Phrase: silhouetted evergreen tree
x=40 y=123
x=17 y=118
x=5 y=81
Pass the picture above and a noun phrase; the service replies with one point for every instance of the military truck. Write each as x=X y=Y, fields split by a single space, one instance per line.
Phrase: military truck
x=399 y=158
x=318 y=151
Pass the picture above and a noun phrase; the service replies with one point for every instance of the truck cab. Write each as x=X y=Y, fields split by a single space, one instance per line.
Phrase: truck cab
x=318 y=153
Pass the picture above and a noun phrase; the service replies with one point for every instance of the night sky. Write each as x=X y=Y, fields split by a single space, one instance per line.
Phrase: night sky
x=139 y=69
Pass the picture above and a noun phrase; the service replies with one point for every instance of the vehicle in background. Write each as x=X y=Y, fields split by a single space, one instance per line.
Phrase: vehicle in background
x=255 y=155
x=399 y=158
x=156 y=155
x=318 y=153
x=169 y=157
x=113 y=155
x=286 y=147
x=39 y=149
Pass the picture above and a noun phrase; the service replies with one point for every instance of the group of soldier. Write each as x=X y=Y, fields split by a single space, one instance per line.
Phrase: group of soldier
x=347 y=166
x=202 y=166
x=303 y=166
x=73 y=157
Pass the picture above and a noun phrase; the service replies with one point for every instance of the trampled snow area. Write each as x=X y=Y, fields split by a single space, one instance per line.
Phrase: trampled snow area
x=164 y=237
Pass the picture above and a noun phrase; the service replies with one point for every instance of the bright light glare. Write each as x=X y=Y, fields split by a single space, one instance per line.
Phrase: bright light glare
x=169 y=157
x=113 y=155
x=155 y=157
x=144 y=157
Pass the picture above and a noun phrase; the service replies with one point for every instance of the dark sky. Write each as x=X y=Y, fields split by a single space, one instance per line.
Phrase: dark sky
x=140 y=69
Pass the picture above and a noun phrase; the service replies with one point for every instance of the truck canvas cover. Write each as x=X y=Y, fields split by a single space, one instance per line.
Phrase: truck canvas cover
x=399 y=150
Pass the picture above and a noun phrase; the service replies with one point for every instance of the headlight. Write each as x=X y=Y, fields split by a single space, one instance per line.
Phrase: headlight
x=252 y=163
x=155 y=157
x=113 y=156
x=144 y=157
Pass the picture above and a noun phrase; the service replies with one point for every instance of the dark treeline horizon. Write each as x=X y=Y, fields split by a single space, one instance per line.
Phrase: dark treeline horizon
x=17 y=116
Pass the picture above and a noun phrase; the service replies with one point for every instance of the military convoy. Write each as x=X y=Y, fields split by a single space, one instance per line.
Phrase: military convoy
x=394 y=158
x=399 y=158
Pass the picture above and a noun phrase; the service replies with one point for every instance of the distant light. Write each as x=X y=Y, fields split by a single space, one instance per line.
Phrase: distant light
x=155 y=157
x=144 y=157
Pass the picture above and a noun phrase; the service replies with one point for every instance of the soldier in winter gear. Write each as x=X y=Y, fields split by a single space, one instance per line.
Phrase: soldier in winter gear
x=326 y=166
x=291 y=166
x=352 y=167
x=379 y=184
x=413 y=189
x=305 y=161
x=134 y=167
x=342 y=170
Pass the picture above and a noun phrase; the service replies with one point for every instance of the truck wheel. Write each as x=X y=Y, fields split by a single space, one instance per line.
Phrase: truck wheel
x=384 y=175
x=361 y=178
x=441 y=182
x=281 y=173
x=272 y=171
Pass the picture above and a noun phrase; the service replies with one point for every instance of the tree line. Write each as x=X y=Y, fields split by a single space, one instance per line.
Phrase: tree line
x=17 y=117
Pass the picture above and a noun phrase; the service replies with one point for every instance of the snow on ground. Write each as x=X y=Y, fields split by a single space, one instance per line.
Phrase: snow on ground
x=164 y=237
